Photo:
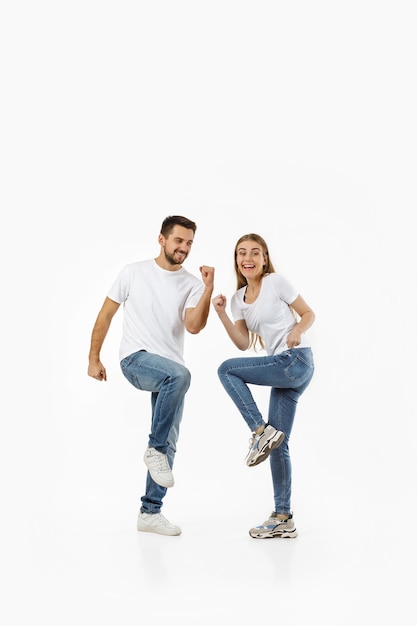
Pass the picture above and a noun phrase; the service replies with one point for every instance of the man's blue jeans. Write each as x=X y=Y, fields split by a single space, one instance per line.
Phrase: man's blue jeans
x=168 y=382
x=288 y=374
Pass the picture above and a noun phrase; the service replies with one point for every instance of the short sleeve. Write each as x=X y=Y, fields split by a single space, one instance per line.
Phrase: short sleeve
x=119 y=291
x=236 y=306
x=284 y=288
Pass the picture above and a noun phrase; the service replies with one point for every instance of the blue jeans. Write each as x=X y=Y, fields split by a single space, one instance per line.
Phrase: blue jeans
x=288 y=374
x=168 y=382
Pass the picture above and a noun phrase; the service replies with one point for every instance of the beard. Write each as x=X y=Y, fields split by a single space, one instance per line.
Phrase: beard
x=171 y=258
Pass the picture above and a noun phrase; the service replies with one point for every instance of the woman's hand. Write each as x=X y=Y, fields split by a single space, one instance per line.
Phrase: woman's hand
x=219 y=303
x=294 y=337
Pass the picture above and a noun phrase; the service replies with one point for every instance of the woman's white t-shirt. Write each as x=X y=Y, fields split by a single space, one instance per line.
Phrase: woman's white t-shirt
x=270 y=315
x=154 y=301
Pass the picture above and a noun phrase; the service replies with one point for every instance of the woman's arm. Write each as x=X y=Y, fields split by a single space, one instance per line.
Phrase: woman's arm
x=237 y=331
x=307 y=317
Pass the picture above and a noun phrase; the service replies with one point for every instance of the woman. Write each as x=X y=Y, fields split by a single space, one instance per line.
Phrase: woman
x=267 y=312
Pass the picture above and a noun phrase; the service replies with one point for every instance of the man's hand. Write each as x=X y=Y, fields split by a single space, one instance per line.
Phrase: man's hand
x=97 y=370
x=207 y=274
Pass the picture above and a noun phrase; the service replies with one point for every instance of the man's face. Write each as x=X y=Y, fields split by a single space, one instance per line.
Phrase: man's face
x=177 y=245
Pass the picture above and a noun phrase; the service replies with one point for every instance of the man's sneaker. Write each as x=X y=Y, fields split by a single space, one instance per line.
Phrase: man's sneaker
x=158 y=467
x=261 y=445
x=274 y=527
x=156 y=523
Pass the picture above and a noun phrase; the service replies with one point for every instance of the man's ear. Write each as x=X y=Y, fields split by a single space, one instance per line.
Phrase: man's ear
x=161 y=239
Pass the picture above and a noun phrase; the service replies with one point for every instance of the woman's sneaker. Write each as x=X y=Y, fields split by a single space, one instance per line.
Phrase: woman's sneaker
x=261 y=445
x=274 y=527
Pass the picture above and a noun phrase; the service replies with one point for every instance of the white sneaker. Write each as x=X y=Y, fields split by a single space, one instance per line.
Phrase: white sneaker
x=156 y=523
x=158 y=467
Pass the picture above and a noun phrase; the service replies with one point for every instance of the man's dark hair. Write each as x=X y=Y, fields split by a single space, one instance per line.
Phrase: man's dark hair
x=172 y=220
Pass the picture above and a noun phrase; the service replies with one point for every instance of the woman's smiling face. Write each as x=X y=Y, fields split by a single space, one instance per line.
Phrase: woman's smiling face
x=250 y=259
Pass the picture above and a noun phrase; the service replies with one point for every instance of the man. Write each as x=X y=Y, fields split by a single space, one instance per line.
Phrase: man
x=161 y=300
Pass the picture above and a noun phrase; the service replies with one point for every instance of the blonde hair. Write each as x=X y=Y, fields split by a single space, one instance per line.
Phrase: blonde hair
x=255 y=340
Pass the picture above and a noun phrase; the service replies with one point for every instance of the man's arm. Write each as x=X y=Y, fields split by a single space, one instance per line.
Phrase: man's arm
x=100 y=329
x=196 y=318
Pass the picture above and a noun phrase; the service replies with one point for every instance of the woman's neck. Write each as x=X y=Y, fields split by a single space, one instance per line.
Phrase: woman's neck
x=252 y=290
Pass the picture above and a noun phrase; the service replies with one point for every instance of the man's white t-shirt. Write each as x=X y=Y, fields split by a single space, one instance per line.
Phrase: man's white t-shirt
x=269 y=316
x=154 y=301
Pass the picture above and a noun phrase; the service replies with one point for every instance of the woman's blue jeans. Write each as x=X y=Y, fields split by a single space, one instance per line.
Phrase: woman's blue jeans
x=168 y=382
x=288 y=374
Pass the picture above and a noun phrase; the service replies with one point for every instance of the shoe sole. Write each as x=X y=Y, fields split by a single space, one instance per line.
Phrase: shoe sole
x=160 y=482
x=266 y=450
x=160 y=531
x=284 y=534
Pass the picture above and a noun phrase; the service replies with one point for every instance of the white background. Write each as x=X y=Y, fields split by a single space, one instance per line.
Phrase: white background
x=294 y=120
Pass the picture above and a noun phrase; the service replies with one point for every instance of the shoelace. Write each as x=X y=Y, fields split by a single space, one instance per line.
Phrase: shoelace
x=252 y=440
x=274 y=520
x=163 y=463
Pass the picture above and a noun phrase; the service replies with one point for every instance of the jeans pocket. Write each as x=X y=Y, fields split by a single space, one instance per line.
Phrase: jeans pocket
x=130 y=369
x=298 y=371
